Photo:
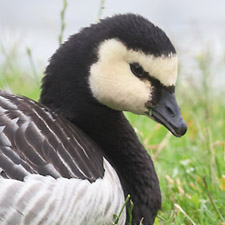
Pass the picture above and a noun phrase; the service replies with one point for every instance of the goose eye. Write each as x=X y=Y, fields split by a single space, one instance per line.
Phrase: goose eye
x=137 y=70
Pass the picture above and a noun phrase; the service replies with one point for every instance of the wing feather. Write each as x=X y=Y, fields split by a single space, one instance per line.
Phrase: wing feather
x=35 y=140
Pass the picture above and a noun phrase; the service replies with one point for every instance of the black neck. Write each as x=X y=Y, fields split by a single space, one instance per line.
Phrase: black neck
x=65 y=90
x=113 y=133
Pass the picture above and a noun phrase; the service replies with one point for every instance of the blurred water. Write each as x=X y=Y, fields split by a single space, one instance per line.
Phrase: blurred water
x=192 y=25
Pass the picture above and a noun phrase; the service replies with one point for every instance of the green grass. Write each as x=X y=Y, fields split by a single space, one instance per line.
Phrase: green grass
x=191 y=169
x=15 y=78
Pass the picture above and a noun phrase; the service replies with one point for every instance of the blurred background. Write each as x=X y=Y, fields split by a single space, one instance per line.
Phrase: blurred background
x=191 y=169
x=193 y=26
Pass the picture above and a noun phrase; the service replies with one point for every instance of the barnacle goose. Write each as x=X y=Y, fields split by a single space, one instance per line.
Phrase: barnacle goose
x=73 y=158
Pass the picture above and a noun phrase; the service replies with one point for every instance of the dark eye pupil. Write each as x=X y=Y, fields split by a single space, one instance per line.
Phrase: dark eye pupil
x=136 y=69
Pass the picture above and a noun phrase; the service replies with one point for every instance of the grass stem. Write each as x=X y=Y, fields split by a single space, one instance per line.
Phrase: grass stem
x=184 y=213
x=62 y=19
x=162 y=145
x=32 y=64
x=130 y=210
x=213 y=160
x=100 y=10
x=117 y=217
x=212 y=200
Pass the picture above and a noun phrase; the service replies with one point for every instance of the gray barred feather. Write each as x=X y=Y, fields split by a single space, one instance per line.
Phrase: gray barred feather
x=35 y=140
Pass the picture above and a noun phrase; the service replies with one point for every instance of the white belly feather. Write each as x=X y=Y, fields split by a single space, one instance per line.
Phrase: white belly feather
x=48 y=201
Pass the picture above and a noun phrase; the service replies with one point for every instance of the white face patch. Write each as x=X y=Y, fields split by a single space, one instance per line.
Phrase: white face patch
x=114 y=85
x=163 y=68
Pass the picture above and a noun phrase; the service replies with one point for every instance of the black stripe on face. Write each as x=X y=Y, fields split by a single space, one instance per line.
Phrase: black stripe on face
x=139 y=72
x=157 y=88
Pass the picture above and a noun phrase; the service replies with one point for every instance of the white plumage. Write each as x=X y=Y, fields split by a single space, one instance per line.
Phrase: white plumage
x=45 y=200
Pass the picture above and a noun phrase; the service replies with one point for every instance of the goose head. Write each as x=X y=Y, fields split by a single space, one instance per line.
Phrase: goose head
x=123 y=63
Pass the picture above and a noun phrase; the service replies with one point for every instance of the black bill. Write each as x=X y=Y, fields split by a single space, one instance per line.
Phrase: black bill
x=168 y=113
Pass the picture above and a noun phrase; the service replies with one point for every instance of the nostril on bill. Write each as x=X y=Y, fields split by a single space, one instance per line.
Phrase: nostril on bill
x=170 y=111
